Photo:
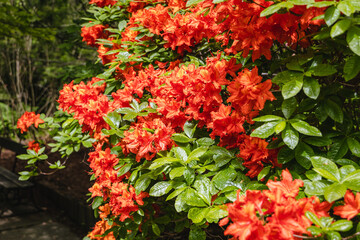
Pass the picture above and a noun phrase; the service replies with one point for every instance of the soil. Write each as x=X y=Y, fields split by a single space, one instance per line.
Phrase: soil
x=72 y=181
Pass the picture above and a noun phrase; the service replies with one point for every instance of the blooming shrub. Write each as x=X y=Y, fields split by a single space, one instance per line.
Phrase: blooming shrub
x=202 y=102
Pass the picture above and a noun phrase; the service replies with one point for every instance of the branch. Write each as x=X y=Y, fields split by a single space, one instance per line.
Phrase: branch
x=352 y=236
x=304 y=237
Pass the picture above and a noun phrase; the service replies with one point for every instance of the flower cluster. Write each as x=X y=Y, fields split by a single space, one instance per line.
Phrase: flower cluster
x=28 y=119
x=34 y=146
x=351 y=207
x=273 y=214
x=87 y=103
x=91 y=34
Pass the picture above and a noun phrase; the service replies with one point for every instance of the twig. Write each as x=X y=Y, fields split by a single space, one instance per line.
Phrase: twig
x=352 y=236
x=304 y=237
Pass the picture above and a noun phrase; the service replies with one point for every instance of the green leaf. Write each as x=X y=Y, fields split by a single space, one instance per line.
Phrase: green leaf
x=344 y=162
x=351 y=67
x=322 y=70
x=346 y=8
x=286 y=76
x=156 y=229
x=160 y=189
x=305 y=128
x=302 y=2
x=24 y=156
x=264 y=130
x=180 y=153
x=265 y=171
x=342 y=225
x=314 y=230
x=189 y=3
x=224 y=178
x=334 y=192
x=313 y=218
x=197 y=214
x=346 y=170
x=124 y=169
x=97 y=202
x=203 y=189
x=87 y=144
x=285 y=155
x=205 y=141
x=196 y=153
x=122 y=25
x=193 y=199
x=189 y=175
x=352 y=180
x=334 y=111
x=197 y=234
x=303 y=153
x=292 y=88
x=311 y=88
x=176 y=172
x=338 y=149
x=318 y=141
x=340 y=27
x=333 y=235
x=180 y=203
x=331 y=15
x=162 y=161
x=326 y=168
x=274 y=8
x=320 y=5
x=175 y=193
x=315 y=188
x=142 y=183
x=215 y=214
x=354 y=146
x=280 y=127
x=290 y=137
x=189 y=129
x=181 y=138
x=353 y=39
x=268 y=118
x=288 y=107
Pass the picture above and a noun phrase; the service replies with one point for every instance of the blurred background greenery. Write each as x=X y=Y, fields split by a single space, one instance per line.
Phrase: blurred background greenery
x=41 y=49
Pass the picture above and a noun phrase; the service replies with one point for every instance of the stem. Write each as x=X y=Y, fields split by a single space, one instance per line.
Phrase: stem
x=304 y=237
x=352 y=236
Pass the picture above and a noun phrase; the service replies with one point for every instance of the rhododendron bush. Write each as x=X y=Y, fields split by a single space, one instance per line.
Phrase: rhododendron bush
x=217 y=119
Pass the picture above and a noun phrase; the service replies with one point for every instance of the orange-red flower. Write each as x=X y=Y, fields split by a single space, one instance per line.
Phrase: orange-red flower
x=91 y=34
x=124 y=200
x=34 y=146
x=351 y=207
x=273 y=213
x=103 y=3
x=28 y=119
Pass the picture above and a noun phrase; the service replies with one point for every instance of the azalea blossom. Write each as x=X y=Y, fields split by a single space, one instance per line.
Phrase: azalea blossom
x=28 y=119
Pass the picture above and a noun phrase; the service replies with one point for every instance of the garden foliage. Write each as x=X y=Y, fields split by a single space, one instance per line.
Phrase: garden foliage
x=243 y=114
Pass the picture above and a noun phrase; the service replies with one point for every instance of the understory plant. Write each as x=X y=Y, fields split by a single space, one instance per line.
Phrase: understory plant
x=217 y=119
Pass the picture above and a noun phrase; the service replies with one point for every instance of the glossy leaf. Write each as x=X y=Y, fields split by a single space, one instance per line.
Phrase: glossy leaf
x=305 y=128
x=326 y=168
x=340 y=27
x=353 y=39
x=160 y=188
x=334 y=192
x=291 y=88
x=265 y=130
x=288 y=107
x=331 y=15
x=290 y=137
x=311 y=88
x=354 y=146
